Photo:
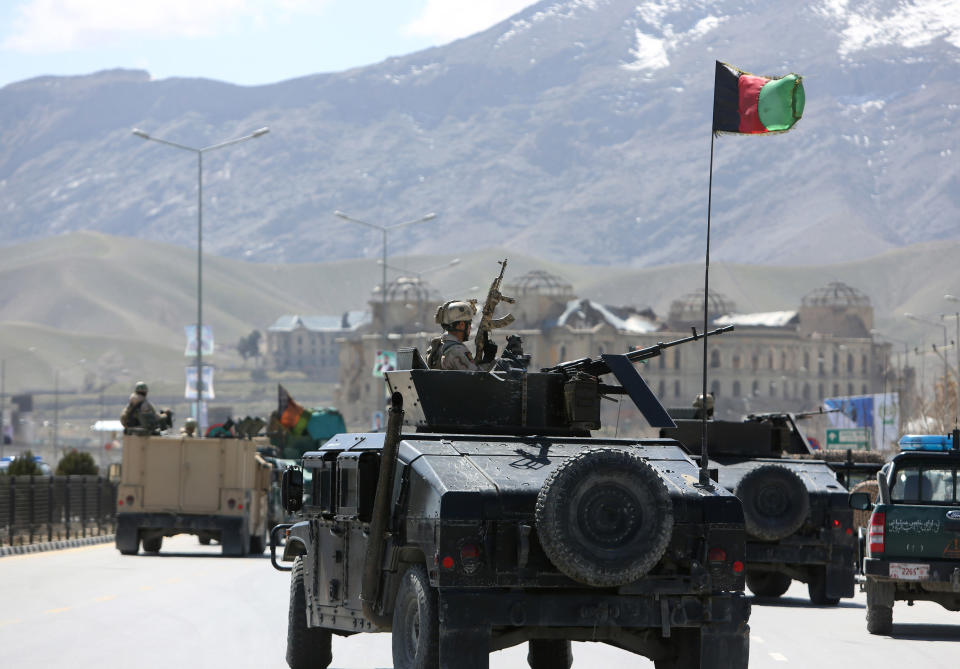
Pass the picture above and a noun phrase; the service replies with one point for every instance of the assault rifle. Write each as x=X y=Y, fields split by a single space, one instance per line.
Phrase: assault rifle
x=599 y=366
x=487 y=321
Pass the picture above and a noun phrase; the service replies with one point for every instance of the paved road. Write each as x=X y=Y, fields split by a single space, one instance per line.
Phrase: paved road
x=188 y=607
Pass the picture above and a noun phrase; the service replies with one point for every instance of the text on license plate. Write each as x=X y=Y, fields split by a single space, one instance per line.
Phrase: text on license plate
x=909 y=572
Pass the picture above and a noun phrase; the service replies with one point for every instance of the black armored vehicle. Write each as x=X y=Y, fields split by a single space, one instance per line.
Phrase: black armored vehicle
x=487 y=516
x=798 y=522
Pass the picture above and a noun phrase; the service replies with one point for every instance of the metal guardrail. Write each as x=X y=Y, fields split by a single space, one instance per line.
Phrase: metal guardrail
x=50 y=508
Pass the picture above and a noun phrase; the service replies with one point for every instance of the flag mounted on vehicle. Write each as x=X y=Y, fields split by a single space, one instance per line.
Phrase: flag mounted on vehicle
x=747 y=104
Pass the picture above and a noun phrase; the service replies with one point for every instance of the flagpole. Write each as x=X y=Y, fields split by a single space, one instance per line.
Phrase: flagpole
x=704 y=469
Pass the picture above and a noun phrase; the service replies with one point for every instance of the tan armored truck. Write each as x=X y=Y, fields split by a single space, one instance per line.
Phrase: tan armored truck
x=213 y=488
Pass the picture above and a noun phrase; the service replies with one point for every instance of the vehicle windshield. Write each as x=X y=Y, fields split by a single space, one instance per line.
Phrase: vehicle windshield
x=925 y=483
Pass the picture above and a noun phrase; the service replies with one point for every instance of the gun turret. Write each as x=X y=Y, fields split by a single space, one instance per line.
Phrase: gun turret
x=560 y=400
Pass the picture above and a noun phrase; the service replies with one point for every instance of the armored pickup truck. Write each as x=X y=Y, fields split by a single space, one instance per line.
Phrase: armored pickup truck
x=913 y=538
x=798 y=522
x=215 y=489
x=487 y=516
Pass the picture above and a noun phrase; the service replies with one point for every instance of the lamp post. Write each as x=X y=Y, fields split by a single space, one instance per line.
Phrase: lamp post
x=199 y=152
x=383 y=286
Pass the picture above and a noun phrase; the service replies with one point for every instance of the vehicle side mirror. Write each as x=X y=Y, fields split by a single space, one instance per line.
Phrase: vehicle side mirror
x=291 y=490
x=859 y=501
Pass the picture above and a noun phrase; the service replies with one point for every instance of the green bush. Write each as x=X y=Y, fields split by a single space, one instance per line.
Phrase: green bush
x=77 y=463
x=24 y=465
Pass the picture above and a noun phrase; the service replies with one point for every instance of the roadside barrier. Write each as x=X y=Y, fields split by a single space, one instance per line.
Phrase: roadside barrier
x=37 y=509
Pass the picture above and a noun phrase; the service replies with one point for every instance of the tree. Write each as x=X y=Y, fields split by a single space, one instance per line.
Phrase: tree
x=249 y=346
x=76 y=463
x=24 y=465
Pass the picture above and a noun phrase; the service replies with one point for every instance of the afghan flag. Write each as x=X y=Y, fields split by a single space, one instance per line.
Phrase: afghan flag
x=746 y=104
x=292 y=416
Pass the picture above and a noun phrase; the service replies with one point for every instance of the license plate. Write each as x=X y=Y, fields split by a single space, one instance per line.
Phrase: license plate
x=910 y=572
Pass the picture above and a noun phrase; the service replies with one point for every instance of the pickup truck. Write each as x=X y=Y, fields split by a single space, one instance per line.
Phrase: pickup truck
x=913 y=537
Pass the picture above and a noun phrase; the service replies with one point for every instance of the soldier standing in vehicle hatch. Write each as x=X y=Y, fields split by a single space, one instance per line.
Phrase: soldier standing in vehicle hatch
x=450 y=351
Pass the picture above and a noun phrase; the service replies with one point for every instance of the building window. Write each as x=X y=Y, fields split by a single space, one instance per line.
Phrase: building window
x=806 y=391
x=863 y=364
x=836 y=362
x=676 y=358
x=563 y=353
x=836 y=389
x=863 y=389
x=755 y=388
x=676 y=389
x=662 y=388
x=715 y=388
x=850 y=363
x=783 y=359
x=754 y=361
x=820 y=390
x=820 y=369
x=714 y=358
x=770 y=360
x=773 y=389
x=662 y=362
x=736 y=389
x=736 y=361
x=849 y=389
x=806 y=361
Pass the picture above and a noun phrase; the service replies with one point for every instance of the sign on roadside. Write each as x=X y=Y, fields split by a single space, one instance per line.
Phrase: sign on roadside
x=848 y=437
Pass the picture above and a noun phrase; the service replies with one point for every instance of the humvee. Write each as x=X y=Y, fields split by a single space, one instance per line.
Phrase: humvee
x=486 y=516
x=798 y=522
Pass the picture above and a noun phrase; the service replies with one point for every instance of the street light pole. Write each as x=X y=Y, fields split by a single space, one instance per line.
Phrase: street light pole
x=384 y=229
x=954 y=298
x=199 y=152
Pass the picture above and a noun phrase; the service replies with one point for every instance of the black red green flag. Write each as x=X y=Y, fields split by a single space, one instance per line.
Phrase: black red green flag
x=747 y=104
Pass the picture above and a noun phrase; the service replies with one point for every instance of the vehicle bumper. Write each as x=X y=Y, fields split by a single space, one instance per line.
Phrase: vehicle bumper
x=938 y=572
x=799 y=554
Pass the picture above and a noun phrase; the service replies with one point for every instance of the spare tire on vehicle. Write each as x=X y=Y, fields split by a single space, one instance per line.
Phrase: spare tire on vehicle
x=604 y=517
x=775 y=502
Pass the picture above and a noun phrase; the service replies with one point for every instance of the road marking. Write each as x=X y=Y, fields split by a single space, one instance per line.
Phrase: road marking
x=65 y=608
x=145 y=588
x=778 y=657
x=175 y=579
x=105 y=598
x=4 y=623
x=754 y=637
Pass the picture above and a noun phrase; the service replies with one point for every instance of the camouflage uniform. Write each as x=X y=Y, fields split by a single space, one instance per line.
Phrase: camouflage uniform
x=139 y=414
x=447 y=351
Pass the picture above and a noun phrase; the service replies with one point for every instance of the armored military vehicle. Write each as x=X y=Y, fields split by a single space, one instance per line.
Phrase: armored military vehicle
x=212 y=488
x=487 y=516
x=912 y=547
x=798 y=522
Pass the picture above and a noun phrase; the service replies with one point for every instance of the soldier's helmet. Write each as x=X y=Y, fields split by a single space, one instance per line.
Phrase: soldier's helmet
x=190 y=425
x=140 y=388
x=699 y=403
x=454 y=311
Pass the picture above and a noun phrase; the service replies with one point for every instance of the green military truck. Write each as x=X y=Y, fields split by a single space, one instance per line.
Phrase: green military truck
x=913 y=538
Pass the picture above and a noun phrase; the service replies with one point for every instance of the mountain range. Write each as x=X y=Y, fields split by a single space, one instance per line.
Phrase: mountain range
x=577 y=131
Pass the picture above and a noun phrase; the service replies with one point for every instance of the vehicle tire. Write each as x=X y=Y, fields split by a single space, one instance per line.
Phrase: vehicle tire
x=416 y=626
x=767 y=583
x=257 y=544
x=879 y=619
x=234 y=543
x=549 y=654
x=152 y=545
x=204 y=541
x=307 y=647
x=604 y=517
x=817 y=588
x=685 y=646
x=775 y=502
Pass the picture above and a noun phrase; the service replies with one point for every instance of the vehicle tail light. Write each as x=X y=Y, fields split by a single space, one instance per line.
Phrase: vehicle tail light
x=446 y=562
x=836 y=523
x=239 y=506
x=231 y=503
x=716 y=555
x=469 y=552
x=737 y=567
x=875 y=534
x=130 y=500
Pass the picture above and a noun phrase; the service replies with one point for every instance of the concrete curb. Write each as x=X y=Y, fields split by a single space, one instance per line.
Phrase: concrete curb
x=56 y=545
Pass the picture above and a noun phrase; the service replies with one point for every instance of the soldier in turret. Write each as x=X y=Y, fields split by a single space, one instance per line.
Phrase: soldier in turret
x=140 y=417
x=450 y=351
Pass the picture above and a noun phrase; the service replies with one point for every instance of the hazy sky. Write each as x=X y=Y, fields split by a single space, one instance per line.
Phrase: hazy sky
x=240 y=41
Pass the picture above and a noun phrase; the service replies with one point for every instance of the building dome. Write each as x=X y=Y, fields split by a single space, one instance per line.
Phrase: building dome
x=540 y=282
x=407 y=289
x=836 y=294
x=689 y=308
